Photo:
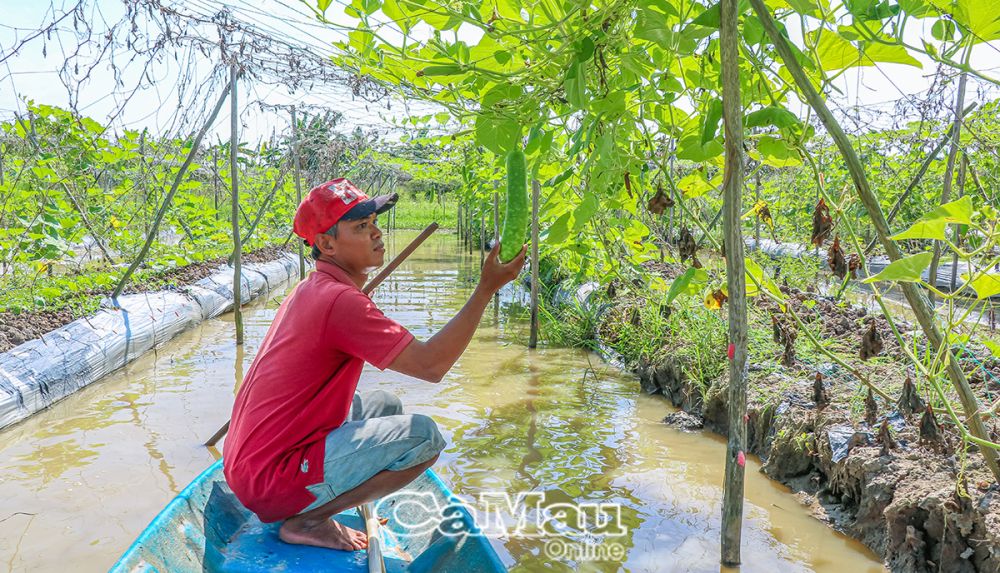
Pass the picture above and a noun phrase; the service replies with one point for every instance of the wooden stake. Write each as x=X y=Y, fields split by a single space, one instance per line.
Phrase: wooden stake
x=482 y=235
x=732 y=186
x=218 y=434
x=398 y=260
x=215 y=181
x=962 y=168
x=535 y=190
x=234 y=141
x=468 y=227
x=756 y=223
x=376 y=562
x=496 y=238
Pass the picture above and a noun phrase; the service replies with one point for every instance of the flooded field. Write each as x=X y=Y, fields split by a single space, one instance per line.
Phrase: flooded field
x=79 y=481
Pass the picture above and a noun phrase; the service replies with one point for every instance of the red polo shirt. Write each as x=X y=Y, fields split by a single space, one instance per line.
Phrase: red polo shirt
x=300 y=387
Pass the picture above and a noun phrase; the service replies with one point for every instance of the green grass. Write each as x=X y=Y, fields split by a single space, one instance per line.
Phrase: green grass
x=570 y=325
x=413 y=212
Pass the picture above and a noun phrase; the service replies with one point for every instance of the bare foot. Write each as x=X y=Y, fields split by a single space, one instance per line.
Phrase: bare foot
x=326 y=533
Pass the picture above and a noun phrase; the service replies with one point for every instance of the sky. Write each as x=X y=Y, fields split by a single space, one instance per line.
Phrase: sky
x=32 y=74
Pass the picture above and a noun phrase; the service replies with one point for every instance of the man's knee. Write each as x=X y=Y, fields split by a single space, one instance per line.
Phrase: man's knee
x=384 y=403
x=426 y=428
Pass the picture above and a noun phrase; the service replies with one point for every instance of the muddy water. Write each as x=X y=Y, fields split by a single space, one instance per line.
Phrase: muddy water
x=80 y=480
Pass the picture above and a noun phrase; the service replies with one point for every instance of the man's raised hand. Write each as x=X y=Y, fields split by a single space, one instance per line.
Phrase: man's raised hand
x=496 y=274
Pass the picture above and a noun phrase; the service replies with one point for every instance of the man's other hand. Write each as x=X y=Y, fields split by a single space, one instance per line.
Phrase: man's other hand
x=496 y=274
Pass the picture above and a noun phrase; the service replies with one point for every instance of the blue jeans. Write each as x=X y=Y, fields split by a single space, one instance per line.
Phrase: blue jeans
x=377 y=436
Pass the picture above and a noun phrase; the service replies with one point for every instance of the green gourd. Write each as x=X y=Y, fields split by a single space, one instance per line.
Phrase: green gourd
x=441 y=70
x=515 y=223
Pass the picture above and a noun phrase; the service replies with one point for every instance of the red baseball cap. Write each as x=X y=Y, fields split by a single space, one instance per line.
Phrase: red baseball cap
x=333 y=201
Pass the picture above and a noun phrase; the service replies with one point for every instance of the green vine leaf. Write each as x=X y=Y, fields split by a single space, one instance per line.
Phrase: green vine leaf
x=777 y=153
x=712 y=118
x=688 y=283
x=392 y=11
x=836 y=53
x=985 y=285
x=981 y=17
x=905 y=270
x=575 y=85
x=754 y=271
x=933 y=224
x=692 y=149
x=497 y=134
x=777 y=116
x=993 y=346
x=585 y=211
x=558 y=231
x=652 y=26
x=806 y=7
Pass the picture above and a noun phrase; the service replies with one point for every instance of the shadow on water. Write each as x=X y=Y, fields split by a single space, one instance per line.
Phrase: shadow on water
x=80 y=480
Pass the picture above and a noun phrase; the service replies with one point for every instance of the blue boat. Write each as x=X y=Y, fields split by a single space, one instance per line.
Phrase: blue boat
x=205 y=528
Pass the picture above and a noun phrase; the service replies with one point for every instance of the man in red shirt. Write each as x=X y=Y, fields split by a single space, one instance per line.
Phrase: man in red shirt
x=302 y=445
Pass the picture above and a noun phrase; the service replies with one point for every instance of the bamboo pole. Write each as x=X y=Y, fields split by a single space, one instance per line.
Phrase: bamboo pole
x=170 y=195
x=756 y=222
x=376 y=562
x=229 y=193
x=917 y=300
x=215 y=180
x=962 y=169
x=673 y=200
x=402 y=256
x=142 y=180
x=298 y=187
x=469 y=220
x=535 y=190
x=732 y=186
x=482 y=235
x=496 y=239
x=234 y=139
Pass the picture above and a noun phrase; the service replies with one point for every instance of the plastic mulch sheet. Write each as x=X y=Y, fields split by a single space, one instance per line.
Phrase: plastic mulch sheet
x=40 y=372
x=875 y=264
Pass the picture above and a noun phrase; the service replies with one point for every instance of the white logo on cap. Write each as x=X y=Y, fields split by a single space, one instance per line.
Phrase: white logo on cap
x=345 y=192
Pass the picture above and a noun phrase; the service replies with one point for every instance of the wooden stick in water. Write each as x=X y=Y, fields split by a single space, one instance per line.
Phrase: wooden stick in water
x=376 y=563
x=218 y=435
x=393 y=265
